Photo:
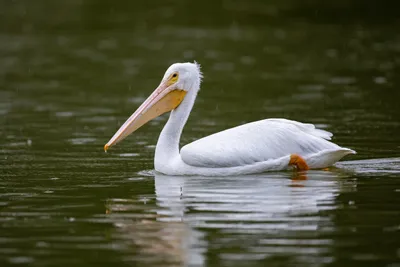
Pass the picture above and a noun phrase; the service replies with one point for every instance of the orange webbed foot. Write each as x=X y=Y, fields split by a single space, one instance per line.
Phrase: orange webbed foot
x=298 y=162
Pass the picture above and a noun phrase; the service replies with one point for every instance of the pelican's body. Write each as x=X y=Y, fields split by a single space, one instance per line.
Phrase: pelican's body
x=266 y=145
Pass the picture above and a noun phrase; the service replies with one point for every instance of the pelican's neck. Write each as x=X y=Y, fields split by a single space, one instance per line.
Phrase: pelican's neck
x=168 y=142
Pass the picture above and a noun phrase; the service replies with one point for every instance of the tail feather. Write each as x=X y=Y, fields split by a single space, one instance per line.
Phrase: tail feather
x=327 y=158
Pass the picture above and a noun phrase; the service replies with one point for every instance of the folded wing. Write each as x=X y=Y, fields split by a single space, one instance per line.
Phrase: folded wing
x=257 y=141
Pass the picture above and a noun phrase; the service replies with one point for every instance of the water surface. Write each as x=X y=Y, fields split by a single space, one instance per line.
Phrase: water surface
x=72 y=72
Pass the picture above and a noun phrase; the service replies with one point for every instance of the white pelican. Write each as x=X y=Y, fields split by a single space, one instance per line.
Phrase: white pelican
x=260 y=146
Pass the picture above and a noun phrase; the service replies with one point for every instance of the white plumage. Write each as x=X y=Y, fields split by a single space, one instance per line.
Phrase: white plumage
x=257 y=141
x=265 y=145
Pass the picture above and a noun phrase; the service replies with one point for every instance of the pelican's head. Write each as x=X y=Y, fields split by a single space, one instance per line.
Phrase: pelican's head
x=184 y=76
x=178 y=80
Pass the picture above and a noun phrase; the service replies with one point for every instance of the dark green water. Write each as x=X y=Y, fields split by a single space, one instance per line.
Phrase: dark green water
x=72 y=71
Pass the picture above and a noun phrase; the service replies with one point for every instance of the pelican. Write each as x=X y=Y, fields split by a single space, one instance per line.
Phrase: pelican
x=256 y=147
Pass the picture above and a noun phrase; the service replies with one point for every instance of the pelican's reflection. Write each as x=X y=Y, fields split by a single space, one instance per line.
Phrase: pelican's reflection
x=246 y=217
x=266 y=195
x=247 y=212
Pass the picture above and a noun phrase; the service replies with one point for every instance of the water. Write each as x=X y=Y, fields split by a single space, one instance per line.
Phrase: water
x=71 y=72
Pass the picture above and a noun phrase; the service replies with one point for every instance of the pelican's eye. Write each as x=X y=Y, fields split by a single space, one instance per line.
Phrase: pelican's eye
x=173 y=78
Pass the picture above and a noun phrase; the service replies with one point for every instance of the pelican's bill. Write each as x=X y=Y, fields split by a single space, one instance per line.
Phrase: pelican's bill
x=158 y=103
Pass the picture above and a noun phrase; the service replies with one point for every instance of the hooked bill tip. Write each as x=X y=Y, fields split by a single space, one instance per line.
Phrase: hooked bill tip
x=106 y=146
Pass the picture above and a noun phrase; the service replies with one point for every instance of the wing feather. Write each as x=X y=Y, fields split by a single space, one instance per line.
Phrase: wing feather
x=256 y=141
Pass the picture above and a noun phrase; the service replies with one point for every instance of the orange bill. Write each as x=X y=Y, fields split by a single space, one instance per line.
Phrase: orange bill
x=162 y=100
